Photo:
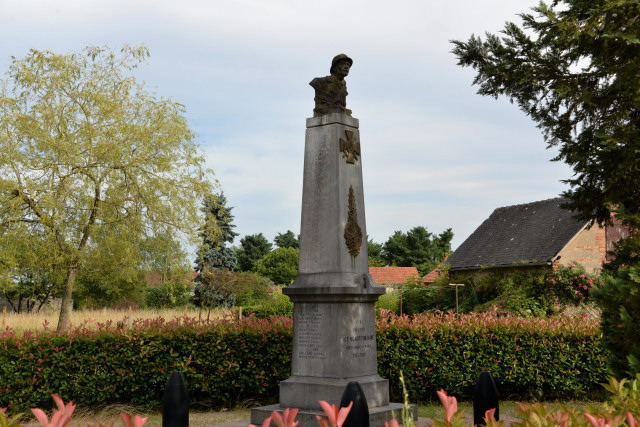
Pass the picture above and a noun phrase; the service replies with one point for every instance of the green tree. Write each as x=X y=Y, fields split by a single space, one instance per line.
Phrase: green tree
x=375 y=251
x=31 y=271
x=287 y=240
x=252 y=248
x=84 y=147
x=417 y=248
x=280 y=265
x=216 y=232
x=618 y=299
x=163 y=255
x=573 y=68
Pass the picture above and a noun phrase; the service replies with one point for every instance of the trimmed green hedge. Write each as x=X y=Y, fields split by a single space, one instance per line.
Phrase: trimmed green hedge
x=223 y=363
x=227 y=362
x=529 y=358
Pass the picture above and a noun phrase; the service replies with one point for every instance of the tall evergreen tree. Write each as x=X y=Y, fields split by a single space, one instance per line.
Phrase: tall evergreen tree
x=287 y=240
x=252 y=248
x=417 y=248
x=573 y=68
x=216 y=233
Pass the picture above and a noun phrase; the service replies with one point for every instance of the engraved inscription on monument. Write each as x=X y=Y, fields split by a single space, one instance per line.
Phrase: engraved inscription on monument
x=310 y=336
x=361 y=341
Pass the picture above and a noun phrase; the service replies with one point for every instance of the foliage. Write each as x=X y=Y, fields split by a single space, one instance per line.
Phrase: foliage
x=619 y=301
x=111 y=272
x=417 y=248
x=223 y=288
x=109 y=155
x=31 y=271
x=163 y=256
x=252 y=248
x=571 y=284
x=278 y=305
x=216 y=232
x=573 y=68
x=167 y=295
x=529 y=358
x=389 y=301
x=226 y=361
x=375 y=251
x=280 y=265
x=287 y=240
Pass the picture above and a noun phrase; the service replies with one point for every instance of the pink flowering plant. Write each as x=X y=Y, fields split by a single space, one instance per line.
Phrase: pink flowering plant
x=571 y=284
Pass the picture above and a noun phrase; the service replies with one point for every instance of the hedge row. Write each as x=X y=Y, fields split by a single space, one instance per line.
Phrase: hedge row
x=529 y=358
x=227 y=362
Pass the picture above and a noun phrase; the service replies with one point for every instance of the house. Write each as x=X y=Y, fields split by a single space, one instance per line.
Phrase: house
x=533 y=236
x=393 y=276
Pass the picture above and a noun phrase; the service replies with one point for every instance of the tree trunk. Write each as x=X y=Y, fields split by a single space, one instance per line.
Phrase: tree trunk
x=67 y=302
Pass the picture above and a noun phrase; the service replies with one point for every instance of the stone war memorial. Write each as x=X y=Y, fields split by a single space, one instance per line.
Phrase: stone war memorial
x=334 y=332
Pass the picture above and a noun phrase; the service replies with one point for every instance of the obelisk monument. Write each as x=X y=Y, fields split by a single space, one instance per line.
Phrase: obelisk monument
x=334 y=333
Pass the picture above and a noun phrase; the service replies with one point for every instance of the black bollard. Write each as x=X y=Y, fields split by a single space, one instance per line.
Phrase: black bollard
x=359 y=413
x=175 y=402
x=485 y=397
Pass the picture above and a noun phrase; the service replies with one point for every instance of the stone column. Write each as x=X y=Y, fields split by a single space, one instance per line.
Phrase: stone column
x=334 y=333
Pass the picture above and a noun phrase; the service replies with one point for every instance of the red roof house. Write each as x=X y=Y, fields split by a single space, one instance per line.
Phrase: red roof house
x=393 y=276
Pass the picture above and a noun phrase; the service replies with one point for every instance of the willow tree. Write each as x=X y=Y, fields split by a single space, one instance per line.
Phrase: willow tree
x=84 y=148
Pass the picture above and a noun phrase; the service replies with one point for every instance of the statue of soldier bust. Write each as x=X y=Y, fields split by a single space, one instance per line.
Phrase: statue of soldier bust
x=331 y=91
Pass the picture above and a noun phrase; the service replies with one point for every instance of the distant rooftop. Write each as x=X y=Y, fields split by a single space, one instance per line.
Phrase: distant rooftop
x=528 y=234
x=392 y=275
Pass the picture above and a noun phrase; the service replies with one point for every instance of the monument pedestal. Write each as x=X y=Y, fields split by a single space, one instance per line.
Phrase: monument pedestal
x=334 y=333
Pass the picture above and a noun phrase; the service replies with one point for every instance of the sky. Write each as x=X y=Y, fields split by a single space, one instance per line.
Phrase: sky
x=434 y=153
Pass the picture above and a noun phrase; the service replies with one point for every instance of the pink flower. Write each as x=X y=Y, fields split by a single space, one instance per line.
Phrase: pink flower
x=130 y=421
x=287 y=419
x=60 y=417
x=450 y=405
x=489 y=416
x=392 y=423
x=632 y=421
x=336 y=415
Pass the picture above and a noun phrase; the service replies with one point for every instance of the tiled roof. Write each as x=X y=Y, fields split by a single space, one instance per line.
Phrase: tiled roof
x=392 y=275
x=529 y=234
x=435 y=274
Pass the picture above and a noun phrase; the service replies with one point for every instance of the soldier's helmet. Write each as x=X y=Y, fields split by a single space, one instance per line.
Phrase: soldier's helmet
x=338 y=58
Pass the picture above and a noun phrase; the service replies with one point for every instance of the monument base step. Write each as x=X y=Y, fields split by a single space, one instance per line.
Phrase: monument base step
x=307 y=417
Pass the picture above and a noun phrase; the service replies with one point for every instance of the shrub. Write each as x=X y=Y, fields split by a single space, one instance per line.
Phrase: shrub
x=280 y=265
x=389 y=301
x=571 y=284
x=278 y=305
x=168 y=295
x=558 y=358
x=223 y=362
x=229 y=361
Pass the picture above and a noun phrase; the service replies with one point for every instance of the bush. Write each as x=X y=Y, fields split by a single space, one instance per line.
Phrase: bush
x=168 y=295
x=619 y=299
x=223 y=288
x=571 y=284
x=529 y=358
x=389 y=301
x=278 y=305
x=223 y=362
x=280 y=265
x=226 y=362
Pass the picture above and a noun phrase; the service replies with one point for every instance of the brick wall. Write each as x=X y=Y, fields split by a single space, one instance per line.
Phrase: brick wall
x=588 y=249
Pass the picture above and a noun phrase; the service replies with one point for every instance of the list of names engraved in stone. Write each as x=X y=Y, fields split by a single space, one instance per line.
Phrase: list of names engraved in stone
x=310 y=344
